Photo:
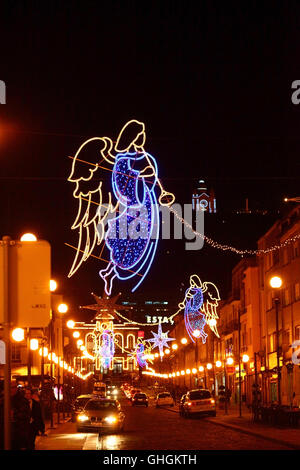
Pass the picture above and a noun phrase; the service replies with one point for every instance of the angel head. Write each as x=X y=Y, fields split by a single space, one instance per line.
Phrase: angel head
x=131 y=135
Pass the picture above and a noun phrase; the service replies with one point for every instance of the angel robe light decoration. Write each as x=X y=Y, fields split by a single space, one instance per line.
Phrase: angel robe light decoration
x=200 y=308
x=132 y=235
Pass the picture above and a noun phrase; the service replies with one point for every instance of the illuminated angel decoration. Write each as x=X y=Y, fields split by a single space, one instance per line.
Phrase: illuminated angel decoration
x=103 y=346
x=200 y=308
x=142 y=353
x=132 y=234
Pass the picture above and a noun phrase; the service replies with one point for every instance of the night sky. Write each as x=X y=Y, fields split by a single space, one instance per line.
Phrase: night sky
x=210 y=80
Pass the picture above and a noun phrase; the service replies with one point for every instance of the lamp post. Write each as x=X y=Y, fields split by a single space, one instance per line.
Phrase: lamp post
x=276 y=283
x=62 y=308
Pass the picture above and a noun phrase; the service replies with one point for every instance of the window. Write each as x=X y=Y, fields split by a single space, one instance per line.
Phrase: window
x=269 y=300
x=287 y=297
x=250 y=335
x=16 y=352
x=272 y=342
x=199 y=395
x=297 y=291
x=119 y=339
x=285 y=258
x=297 y=332
x=130 y=341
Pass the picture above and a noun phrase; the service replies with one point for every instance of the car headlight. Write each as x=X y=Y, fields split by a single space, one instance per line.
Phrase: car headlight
x=110 y=419
x=82 y=418
x=115 y=392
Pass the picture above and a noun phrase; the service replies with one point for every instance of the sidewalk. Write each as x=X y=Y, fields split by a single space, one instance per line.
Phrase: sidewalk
x=48 y=428
x=281 y=435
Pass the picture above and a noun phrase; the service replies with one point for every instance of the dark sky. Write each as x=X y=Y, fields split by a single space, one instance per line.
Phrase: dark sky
x=211 y=81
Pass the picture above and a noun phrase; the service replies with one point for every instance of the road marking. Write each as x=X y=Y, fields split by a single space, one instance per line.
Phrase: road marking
x=91 y=442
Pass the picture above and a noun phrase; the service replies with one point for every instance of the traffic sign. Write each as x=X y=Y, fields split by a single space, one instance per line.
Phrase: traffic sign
x=29 y=278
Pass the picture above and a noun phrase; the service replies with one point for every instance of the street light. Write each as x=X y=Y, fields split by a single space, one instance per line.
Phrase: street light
x=174 y=346
x=34 y=344
x=76 y=334
x=18 y=334
x=245 y=358
x=28 y=237
x=183 y=341
x=276 y=283
x=70 y=324
x=229 y=361
x=53 y=285
x=62 y=308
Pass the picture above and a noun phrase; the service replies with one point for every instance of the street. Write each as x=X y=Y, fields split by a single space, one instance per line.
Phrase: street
x=156 y=429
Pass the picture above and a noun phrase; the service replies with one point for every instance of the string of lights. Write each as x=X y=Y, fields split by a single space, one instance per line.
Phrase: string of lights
x=221 y=246
x=238 y=251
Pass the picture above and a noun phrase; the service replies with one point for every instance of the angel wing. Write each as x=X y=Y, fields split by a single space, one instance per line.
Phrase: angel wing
x=86 y=173
x=210 y=304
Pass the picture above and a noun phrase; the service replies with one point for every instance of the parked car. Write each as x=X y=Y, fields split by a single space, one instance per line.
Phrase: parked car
x=198 y=402
x=101 y=414
x=78 y=405
x=133 y=391
x=140 y=399
x=164 y=399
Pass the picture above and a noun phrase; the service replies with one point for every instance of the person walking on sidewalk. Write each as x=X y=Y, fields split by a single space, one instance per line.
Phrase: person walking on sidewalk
x=20 y=420
x=36 y=419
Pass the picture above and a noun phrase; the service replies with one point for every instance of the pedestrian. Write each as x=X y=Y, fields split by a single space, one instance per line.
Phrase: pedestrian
x=36 y=423
x=20 y=420
x=36 y=398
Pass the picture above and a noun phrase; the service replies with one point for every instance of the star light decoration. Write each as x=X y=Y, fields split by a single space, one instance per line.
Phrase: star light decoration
x=160 y=340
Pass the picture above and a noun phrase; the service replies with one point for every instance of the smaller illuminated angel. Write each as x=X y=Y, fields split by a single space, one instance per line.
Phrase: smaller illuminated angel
x=142 y=353
x=200 y=308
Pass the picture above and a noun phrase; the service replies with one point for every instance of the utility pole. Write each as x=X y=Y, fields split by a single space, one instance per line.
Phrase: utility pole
x=278 y=353
x=7 y=327
x=240 y=377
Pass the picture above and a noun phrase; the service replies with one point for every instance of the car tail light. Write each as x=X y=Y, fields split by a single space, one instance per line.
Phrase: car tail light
x=212 y=401
x=189 y=403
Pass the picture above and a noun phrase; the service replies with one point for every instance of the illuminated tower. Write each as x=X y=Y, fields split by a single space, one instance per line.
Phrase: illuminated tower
x=205 y=200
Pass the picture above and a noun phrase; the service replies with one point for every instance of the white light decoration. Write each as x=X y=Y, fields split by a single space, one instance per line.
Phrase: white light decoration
x=160 y=339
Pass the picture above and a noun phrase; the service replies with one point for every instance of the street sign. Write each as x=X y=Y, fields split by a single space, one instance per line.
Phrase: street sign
x=2 y=352
x=29 y=277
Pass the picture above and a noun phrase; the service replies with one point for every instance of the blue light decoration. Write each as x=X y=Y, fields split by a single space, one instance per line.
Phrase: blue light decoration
x=200 y=308
x=160 y=340
x=132 y=234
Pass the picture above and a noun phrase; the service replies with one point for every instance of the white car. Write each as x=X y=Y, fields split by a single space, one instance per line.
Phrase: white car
x=164 y=399
x=198 y=402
